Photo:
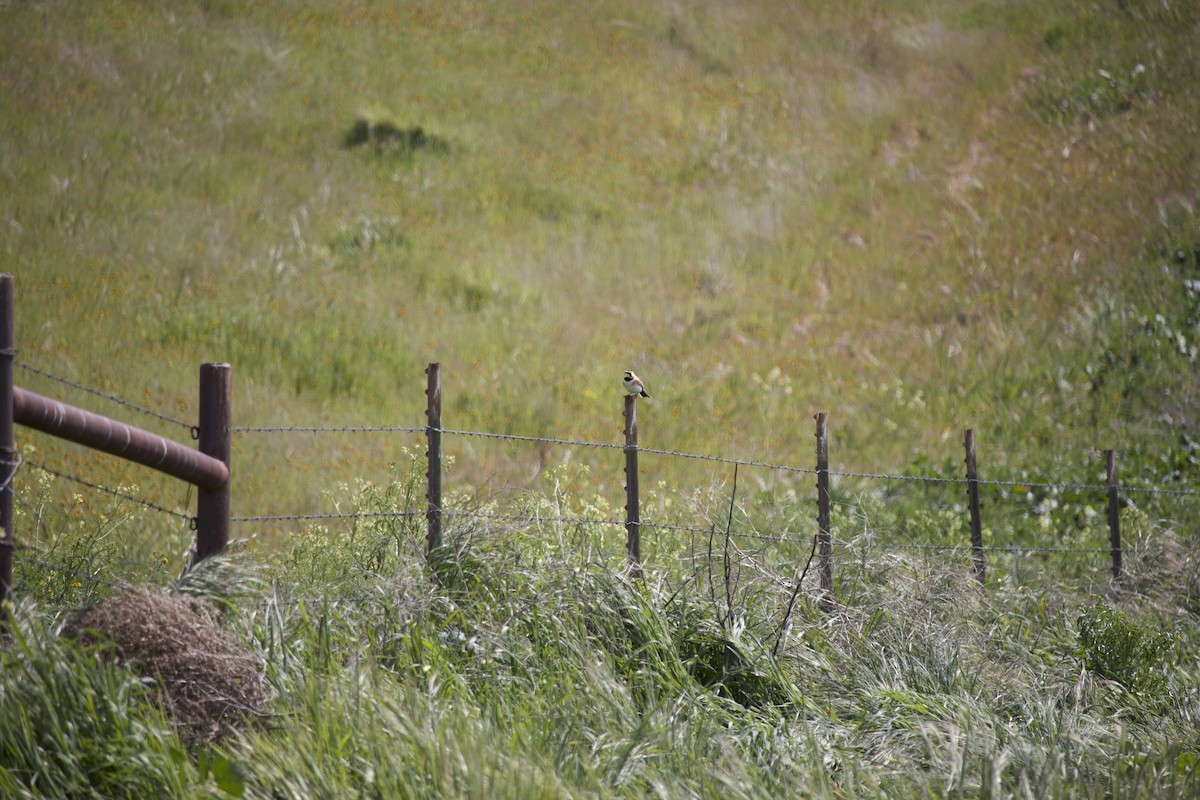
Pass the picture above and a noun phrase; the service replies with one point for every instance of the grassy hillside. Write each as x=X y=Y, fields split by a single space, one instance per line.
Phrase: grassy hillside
x=919 y=217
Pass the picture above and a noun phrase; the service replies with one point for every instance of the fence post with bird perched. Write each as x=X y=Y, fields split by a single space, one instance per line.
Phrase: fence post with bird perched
x=633 y=522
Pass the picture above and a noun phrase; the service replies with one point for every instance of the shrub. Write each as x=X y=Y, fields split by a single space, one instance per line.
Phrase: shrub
x=1117 y=647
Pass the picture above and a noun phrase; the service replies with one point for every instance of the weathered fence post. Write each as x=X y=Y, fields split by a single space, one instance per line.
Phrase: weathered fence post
x=8 y=453
x=433 y=434
x=824 y=534
x=977 y=554
x=633 y=518
x=1114 y=510
x=216 y=421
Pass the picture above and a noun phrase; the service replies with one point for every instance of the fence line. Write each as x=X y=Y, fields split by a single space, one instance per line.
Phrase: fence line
x=215 y=430
x=772 y=466
x=537 y=518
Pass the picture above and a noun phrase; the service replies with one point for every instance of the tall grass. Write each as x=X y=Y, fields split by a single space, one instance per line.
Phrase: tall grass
x=74 y=725
x=501 y=667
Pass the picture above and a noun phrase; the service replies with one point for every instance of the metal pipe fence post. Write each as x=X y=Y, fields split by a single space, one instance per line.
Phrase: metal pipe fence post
x=1114 y=511
x=433 y=475
x=8 y=453
x=977 y=554
x=216 y=421
x=633 y=520
x=824 y=533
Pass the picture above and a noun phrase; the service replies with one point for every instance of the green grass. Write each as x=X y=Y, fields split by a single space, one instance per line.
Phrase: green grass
x=622 y=186
x=507 y=667
x=919 y=218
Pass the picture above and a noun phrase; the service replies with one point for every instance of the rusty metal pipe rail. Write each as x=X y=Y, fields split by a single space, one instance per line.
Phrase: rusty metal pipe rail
x=116 y=438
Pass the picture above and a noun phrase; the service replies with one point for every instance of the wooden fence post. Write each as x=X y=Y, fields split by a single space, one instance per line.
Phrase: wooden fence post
x=977 y=554
x=433 y=475
x=824 y=534
x=1114 y=511
x=8 y=453
x=633 y=519
x=216 y=421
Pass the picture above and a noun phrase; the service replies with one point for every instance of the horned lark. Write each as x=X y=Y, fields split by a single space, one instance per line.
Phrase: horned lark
x=633 y=384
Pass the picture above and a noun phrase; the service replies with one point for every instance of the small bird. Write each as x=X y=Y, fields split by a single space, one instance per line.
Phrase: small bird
x=633 y=384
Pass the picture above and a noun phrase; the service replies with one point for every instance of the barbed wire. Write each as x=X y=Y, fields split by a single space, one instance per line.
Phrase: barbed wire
x=812 y=470
x=12 y=473
x=1015 y=484
x=113 y=492
x=530 y=518
x=835 y=473
x=1097 y=487
x=1009 y=548
x=327 y=429
x=1154 y=490
x=326 y=515
x=519 y=438
x=725 y=460
x=106 y=395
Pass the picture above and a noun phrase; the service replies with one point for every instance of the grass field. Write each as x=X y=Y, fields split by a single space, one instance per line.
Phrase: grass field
x=918 y=217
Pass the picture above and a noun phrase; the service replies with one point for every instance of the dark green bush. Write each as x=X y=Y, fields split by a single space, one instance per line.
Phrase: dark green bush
x=1117 y=647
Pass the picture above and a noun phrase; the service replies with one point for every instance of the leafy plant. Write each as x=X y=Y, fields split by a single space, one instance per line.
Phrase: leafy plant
x=1118 y=648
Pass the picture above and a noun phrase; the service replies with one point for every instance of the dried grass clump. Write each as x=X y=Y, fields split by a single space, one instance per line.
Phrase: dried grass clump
x=211 y=684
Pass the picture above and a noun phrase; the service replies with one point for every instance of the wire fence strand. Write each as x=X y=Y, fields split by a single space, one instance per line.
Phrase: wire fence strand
x=106 y=395
x=106 y=490
x=327 y=429
x=1014 y=484
x=14 y=465
x=725 y=460
x=966 y=548
x=538 y=439
x=1096 y=487
x=327 y=515
x=533 y=518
